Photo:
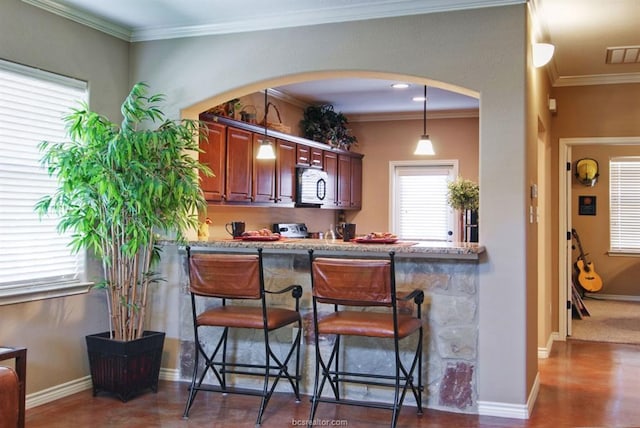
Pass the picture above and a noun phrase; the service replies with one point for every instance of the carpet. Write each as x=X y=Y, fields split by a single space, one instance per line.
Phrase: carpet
x=610 y=321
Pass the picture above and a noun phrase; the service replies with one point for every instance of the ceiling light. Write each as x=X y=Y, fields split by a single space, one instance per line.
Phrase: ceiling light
x=424 y=147
x=265 y=151
x=400 y=85
x=542 y=53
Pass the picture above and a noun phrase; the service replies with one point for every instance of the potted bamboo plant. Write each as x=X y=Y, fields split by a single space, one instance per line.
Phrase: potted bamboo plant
x=119 y=187
x=464 y=195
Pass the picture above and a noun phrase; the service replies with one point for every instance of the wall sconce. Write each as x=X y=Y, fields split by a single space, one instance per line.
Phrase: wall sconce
x=542 y=53
x=587 y=171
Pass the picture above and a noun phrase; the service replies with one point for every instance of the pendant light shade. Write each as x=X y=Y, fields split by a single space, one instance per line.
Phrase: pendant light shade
x=265 y=151
x=424 y=146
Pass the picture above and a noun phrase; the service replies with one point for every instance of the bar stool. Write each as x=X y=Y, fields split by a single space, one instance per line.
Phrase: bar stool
x=239 y=278
x=350 y=286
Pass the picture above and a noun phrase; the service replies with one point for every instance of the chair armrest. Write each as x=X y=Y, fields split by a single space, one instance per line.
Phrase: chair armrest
x=416 y=295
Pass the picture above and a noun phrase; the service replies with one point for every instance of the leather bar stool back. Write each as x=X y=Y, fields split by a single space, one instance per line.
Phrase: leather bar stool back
x=234 y=282
x=349 y=286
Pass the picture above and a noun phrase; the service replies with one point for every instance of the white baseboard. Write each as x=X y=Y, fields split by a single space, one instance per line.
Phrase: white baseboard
x=613 y=297
x=170 y=374
x=56 y=392
x=543 y=352
x=508 y=410
x=63 y=390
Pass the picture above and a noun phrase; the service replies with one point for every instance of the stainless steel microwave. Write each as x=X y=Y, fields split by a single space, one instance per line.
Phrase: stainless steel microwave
x=311 y=187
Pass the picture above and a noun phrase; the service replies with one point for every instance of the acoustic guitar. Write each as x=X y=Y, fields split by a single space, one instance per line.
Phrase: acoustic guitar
x=587 y=276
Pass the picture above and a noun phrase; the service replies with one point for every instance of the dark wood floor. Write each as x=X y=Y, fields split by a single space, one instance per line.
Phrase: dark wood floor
x=582 y=384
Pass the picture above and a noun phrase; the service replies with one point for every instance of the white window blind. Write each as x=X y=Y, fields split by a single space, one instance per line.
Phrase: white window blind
x=420 y=202
x=624 y=204
x=32 y=252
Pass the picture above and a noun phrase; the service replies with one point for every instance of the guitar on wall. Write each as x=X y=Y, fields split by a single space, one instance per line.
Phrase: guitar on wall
x=587 y=276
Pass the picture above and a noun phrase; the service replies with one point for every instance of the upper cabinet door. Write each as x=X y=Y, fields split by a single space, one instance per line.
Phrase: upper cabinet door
x=356 y=183
x=286 y=172
x=316 y=157
x=303 y=155
x=264 y=174
x=344 y=182
x=239 y=163
x=213 y=155
x=330 y=161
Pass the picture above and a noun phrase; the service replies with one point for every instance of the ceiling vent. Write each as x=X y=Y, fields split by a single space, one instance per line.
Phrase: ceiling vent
x=623 y=55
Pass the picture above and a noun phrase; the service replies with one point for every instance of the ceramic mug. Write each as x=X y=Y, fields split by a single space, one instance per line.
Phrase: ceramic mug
x=235 y=228
x=348 y=231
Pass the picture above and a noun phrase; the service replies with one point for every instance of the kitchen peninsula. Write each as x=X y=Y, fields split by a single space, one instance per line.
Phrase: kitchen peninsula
x=447 y=272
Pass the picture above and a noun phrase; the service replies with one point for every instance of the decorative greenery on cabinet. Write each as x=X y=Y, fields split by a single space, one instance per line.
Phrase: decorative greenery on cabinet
x=323 y=124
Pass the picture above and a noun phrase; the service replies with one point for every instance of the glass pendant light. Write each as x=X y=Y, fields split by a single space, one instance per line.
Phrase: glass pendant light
x=424 y=146
x=265 y=151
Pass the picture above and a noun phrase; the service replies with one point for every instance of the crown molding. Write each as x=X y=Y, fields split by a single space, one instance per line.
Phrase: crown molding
x=83 y=18
x=596 y=79
x=389 y=8
x=441 y=114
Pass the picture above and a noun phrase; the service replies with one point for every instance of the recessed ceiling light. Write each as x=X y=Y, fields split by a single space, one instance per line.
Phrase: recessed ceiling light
x=419 y=98
x=400 y=85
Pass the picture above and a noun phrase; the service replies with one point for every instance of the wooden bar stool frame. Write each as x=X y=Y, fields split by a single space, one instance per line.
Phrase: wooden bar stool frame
x=348 y=283
x=217 y=283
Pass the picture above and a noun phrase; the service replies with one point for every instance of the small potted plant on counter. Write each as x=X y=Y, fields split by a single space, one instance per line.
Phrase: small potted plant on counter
x=118 y=187
x=464 y=195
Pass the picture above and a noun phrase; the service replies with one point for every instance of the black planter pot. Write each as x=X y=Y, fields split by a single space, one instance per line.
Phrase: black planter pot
x=125 y=368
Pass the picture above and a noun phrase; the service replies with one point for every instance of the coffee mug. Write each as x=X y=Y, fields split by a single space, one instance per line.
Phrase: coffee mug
x=348 y=231
x=235 y=228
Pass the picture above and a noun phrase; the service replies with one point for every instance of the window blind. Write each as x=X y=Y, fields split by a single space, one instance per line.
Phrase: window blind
x=624 y=204
x=32 y=106
x=421 y=209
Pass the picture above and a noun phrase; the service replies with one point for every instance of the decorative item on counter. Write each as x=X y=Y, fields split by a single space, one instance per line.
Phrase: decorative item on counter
x=260 y=235
x=323 y=124
x=348 y=231
x=464 y=195
x=203 y=230
x=330 y=234
x=235 y=228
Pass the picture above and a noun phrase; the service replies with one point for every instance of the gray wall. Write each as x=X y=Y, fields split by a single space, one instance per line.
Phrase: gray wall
x=482 y=51
x=53 y=330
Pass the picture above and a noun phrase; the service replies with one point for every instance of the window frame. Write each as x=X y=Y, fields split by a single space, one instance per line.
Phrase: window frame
x=619 y=250
x=43 y=288
x=451 y=164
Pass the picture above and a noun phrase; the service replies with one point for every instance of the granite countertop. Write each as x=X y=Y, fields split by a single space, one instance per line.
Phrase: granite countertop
x=434 y=249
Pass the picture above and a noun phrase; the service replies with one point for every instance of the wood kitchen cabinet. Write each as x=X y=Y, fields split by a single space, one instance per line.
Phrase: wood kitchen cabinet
x=214 y=156
x=285 y=172
x=316 y=157
x=356 y=183
x=274 y=179
x=343 y=195
x=330 y=161
x=308 y=156
x=239 y=165
x=264 y=173
x=303 y=155
x=240 y=178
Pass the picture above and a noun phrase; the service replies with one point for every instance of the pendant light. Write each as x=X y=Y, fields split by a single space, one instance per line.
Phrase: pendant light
x=424 y=146
x=265 y=151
